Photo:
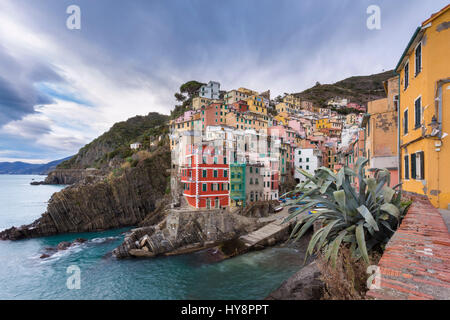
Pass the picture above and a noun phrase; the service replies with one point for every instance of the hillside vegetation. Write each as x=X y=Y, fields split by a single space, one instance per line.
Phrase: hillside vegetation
x=115 y=143
x=359 y=89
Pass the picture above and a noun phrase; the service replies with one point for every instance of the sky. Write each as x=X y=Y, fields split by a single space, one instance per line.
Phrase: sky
x=60 y=88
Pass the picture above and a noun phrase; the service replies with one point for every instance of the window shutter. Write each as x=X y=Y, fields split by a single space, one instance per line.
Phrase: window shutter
x=413 y=166
x=406 y=167
x=422 y=165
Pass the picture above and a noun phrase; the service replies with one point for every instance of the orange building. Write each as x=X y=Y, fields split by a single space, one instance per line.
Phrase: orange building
x=380 y=128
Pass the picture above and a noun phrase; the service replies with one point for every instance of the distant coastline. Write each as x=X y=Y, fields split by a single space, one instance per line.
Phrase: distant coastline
x=19 y=167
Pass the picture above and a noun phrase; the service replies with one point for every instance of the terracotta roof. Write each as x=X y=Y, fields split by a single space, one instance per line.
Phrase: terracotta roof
x=436 y=14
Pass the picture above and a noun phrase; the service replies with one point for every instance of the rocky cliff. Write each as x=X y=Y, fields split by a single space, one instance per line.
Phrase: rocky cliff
x=71 y=176
x=115 y=143
x=121 y=199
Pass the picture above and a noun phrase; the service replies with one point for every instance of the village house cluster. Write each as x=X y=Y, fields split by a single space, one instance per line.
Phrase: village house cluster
x=239 y=146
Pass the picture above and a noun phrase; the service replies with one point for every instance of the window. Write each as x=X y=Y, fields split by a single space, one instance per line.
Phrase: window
x=418 y=59
x=251 y=169
x=406 y=174
x=406 y=76
x=300 y=160
x=307 y=159
x=204 y=173
x=225 y=173
x=256 y=181
x=405 y=121
x=224 y=160
x=413 y=166
x=215 y=173
x=256 y=170
x=307 y=167
x=251 y=180
x=418 y=166
x=203 y=186
x=417 y=112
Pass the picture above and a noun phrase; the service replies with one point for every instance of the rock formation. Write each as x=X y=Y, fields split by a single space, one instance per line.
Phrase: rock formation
x=184 y=231
x=113 y=202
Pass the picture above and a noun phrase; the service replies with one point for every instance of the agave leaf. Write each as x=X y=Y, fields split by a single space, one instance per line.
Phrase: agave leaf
x=340 y=177
x=368 y=217
x=386 y=224
x=371 y=184
x=336 y=245
x=362 y=242
x=311 y=204
x=339 y=196
x=326 y=231
x=325 y=186
x=388 y=193
x=307 y=175
x=391 y=209
x=328 y=249
x=313 y=241
x=305 y=227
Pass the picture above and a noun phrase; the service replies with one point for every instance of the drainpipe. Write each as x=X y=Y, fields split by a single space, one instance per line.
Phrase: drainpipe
x=399 y=167
x=438 y=109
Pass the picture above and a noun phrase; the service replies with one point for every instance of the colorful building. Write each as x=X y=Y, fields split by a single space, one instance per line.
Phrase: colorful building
x=205 y=177
x=237 y=184
x=380 y=125
x=424 y=71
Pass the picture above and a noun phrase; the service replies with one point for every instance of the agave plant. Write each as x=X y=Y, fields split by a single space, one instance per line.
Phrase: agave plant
x=363 y=219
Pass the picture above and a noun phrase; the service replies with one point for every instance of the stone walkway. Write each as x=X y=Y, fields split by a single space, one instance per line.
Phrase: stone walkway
x=446 y=216
x=416 y=262
x=268 y=231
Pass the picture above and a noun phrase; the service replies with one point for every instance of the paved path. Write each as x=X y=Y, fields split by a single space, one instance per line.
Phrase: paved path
x=416 y=262
x=446 y=216
x=268 y=231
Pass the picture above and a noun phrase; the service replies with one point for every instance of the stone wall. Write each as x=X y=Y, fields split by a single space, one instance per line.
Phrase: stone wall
x=416 y=262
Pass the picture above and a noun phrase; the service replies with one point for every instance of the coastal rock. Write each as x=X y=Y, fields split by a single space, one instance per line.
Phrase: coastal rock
x=303 y=285
x=72 y=176
x=185 y=231
x=260 y=209
x=63 y=245
x=113 y=202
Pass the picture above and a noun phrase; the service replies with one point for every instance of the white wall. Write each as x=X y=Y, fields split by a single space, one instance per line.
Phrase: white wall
x=300 y=161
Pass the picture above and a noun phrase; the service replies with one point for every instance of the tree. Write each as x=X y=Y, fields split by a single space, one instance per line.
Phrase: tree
x=191 y=88
x=180 y=97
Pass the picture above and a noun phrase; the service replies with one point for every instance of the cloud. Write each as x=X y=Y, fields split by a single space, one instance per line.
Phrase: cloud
x=61 y=88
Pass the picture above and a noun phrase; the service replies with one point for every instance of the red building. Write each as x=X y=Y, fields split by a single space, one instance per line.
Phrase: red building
x=205 y=177
x=213 y=115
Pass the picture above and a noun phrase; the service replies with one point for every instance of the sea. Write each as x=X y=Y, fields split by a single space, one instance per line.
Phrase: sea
x=89 y=271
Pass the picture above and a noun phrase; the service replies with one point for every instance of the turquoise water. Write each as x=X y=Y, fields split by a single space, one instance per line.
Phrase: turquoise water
x=23 y=275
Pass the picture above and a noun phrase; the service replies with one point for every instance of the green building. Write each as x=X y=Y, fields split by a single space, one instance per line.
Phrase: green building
x=237 y=184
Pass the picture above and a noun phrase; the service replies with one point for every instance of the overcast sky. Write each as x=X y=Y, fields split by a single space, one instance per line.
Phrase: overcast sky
x=61 y=88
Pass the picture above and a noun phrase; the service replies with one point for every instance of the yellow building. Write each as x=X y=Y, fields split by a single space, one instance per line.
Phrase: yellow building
x=424 y=70
x=199 y=102
x=246 y=120
x=256 y=104
x=248 y=92
x=323 y=123
x=285 y=108
x=293 y=100
x=281 y=117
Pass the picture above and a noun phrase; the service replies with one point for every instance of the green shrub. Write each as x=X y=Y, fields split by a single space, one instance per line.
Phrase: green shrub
x=364 y=219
